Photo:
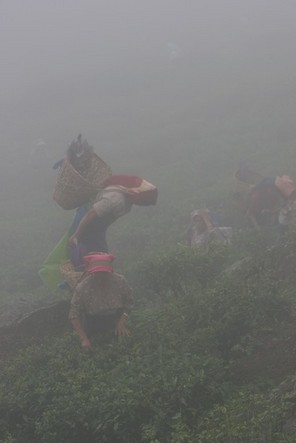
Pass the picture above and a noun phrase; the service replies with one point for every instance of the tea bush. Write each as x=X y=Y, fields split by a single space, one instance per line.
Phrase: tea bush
x=250 y=417
x=183 y=375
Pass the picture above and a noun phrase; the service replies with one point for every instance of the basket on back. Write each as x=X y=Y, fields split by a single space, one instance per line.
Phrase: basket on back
x=74 y=188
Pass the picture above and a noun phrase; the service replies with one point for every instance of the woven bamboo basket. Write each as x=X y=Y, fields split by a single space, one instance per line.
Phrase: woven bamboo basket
x=71 y=276
x=74 y=188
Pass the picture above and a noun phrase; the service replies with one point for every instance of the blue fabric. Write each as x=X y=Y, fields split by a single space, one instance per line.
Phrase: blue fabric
x=214 y=218
x=93 y=239
x=80 y=213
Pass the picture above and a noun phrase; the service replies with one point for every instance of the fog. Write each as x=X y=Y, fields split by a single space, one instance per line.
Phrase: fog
x=150 y=84
x=136 y=75
x=177 y=92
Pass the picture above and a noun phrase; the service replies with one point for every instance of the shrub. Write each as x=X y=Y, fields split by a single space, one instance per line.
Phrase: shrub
x=172 y=380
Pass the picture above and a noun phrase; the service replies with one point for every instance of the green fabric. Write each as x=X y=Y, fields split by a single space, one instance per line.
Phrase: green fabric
x=50 y=272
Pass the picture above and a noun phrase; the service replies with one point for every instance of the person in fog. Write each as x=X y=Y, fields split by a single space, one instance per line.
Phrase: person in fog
x=204 y=229
x=115 y=199
x=101 y=300
x=88 y=230
x=265 y=199
x=263 y=204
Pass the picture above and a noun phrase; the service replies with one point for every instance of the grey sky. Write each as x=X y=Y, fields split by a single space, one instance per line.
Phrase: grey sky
x=95 y=66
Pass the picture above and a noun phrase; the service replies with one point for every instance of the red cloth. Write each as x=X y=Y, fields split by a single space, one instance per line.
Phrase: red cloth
x=99 y=262
x=140 y=191
x=128 y=181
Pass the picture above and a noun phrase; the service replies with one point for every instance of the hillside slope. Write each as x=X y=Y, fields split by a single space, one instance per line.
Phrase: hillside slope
x=212 y=358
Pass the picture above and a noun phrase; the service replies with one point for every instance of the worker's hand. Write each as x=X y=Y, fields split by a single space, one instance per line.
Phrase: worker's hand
x=86 y=346
x=121 y=329
x=73 y=240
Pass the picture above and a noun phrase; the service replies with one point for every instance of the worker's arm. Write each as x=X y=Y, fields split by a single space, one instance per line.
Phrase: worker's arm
x=120 y=328
x=85 y=221
x=105 y=205
x=77 y=326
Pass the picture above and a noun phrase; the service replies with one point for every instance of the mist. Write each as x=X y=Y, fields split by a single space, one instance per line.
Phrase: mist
x=137 y=76
x=177 y=92
x=162 y=88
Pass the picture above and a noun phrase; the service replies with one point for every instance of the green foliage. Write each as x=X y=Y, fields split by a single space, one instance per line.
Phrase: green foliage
x=8 y=439
x=198 y=336
x=182 y=375
x=181 y=267
x=249 y=417
x=112 y=395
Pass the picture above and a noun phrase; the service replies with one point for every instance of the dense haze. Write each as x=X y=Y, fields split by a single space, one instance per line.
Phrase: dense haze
x=178 y=92
x=139 y=76
x=158 y=88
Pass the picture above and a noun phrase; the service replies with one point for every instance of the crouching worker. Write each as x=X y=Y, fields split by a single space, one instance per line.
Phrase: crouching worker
x=204 y=229
x=101 y=300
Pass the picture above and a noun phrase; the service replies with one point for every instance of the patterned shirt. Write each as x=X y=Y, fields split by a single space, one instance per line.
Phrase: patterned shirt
x=91 y=299
x=112 y=202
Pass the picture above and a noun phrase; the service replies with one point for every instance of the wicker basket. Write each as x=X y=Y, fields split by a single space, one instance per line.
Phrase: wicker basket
x=71 y=276
x=74 y=188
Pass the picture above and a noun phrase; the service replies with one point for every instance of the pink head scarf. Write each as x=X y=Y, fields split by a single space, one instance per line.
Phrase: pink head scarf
x=99 y=262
